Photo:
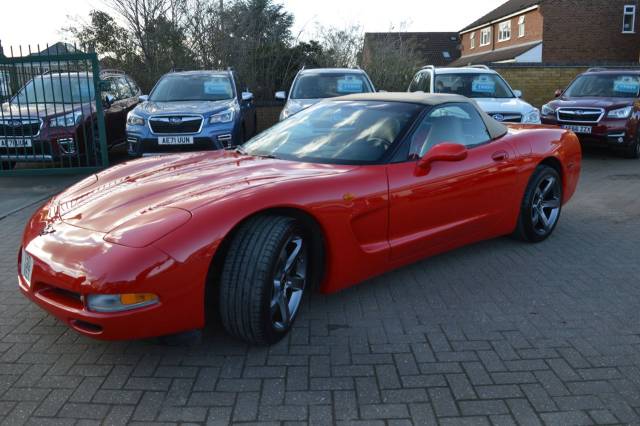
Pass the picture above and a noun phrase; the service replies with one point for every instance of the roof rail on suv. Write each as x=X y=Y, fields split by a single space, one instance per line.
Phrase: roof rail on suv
x=428 y=67
x=481 y=66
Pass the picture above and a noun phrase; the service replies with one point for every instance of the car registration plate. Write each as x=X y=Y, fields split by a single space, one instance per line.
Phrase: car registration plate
x=578 y=129
x=26 y=267
x=15 y=143
x=175 y=140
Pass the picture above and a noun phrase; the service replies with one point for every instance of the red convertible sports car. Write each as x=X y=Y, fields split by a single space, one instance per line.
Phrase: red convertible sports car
x=345 y=190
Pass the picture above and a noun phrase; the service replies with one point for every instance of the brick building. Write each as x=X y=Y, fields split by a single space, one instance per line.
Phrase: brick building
x=554 y=31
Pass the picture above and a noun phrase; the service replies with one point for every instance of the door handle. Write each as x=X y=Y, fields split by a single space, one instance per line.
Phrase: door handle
x=500 y=156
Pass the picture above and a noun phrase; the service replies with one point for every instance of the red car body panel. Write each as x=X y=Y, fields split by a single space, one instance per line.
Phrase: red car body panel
x=154 y=225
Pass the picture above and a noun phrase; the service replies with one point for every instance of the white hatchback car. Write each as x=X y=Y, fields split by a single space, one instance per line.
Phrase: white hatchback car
x=482 y=84
x=312 y=85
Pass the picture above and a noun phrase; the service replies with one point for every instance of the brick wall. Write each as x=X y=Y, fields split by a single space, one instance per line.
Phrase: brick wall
x=533 y=32
x=588 y=30
x=538 y=83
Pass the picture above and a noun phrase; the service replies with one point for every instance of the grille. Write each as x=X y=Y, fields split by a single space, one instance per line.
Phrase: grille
x=19 y=127
x=580 y=115
x=175 y=124
x=507 y=117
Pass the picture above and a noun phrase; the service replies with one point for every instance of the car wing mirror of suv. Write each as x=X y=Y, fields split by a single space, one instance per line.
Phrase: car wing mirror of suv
x=143 y=98
x=247 y=96
x=108 y=100
x=281 y=96
x=558 y=93
x=517 y=93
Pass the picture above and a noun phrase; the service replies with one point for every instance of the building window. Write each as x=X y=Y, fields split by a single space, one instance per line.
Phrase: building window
x=504 y=32
x=521 y=26
x=485 y=37
x=629 y=19
x=473 y=40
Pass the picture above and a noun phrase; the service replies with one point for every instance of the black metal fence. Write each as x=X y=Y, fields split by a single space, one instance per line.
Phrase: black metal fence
x=51 y=114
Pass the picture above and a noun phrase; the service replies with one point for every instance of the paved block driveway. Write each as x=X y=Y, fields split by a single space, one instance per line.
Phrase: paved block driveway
x=500 y=332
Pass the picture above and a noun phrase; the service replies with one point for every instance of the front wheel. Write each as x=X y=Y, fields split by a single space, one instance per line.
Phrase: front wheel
x=633 y=151
x=541 y=205
x=263 y=279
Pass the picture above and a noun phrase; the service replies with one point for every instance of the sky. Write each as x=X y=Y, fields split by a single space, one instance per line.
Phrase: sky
x=42 y=20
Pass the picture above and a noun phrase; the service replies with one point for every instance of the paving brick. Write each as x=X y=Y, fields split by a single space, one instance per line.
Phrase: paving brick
x=469 y=337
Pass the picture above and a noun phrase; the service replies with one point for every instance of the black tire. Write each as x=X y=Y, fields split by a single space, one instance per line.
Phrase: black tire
x=248 y=279
x=531 y=226
x=633 y=151
x=7 y=165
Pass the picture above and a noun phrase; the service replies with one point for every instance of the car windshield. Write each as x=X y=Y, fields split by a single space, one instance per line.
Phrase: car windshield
x=59 y=89
x=338 y=132
x=472 y=85
x=189 y=87
x=329 y=85
x=605 y=86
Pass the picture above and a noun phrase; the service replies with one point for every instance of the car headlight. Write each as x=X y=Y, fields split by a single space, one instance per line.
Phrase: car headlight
x=548 y=110
x=620 y=112
x=134 y=120
x=225 y=116
x=67 y=120
x=532 y=117
x=290 y=109
x=119 y=302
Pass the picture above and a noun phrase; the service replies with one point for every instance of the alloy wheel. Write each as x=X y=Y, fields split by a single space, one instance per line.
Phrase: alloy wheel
x=288 y=282
x=545 y=207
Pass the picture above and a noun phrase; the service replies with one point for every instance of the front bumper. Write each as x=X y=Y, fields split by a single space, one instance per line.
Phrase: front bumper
x=141 y=141
x=607 y=132
x=71 y=263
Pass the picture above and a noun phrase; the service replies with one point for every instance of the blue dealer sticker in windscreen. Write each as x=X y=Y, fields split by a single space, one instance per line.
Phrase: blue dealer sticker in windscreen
x=217 y=86
x=627 y=84
x=350 y=84
x=483 y=84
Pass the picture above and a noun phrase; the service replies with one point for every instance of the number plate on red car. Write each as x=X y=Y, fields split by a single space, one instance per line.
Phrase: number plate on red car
x=578 y=129
x=26 y=267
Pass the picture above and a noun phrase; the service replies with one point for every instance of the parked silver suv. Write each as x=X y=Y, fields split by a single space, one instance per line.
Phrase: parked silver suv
x=312 y=85
x=482 y=84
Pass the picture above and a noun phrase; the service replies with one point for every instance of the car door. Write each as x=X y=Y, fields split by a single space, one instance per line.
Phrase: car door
x=452 y=203
x=247 y=110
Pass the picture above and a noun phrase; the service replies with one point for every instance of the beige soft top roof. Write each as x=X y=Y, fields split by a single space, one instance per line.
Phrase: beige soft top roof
x=495 y=128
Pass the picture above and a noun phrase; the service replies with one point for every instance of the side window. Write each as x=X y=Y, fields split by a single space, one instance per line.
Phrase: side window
x=421 y=82
x=121 y=88
x=455 y=123
x=134 y=87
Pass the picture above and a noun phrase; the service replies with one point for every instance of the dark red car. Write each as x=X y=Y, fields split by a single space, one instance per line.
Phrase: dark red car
x=53 y=118
x=602 y=107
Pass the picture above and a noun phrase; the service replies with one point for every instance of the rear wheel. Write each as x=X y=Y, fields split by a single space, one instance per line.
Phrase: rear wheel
x=541 y=205
x=264 y=277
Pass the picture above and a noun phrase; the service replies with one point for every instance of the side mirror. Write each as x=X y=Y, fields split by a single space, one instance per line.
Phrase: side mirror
x=108 y=100
x=445 y=151
x=143 y=98
x=281 y=96
x=247 y=96
x=558 y=93
x=518 y=93
x=382 y=91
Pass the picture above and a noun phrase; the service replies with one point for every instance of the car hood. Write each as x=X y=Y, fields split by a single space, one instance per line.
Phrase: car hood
x=182 y=107
x=184 y=181
x=14 y=110
x=503 y=105
x=606 y=103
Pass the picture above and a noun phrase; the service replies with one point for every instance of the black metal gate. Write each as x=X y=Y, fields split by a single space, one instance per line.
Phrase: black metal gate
x=51 y=114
